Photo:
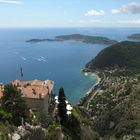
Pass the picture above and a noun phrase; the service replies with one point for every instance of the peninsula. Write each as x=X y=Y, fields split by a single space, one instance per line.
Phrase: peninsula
x=80 y=38
x=113 y=106
x=134 y=36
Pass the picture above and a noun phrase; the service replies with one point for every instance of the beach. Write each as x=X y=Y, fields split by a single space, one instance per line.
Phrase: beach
x=85 y=101
x=95 y=76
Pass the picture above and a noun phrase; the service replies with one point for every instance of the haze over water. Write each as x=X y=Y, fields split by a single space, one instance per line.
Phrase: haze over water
x=58 y=61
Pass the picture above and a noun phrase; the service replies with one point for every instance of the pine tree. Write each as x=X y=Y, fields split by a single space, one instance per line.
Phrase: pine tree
x=12 y=102
x=61 y=96
x=62 y=111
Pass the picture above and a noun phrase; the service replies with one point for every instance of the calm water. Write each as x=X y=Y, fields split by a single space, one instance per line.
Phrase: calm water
x=59 y=61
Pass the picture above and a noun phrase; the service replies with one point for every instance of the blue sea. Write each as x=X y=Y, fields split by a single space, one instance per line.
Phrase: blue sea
x=58 y=61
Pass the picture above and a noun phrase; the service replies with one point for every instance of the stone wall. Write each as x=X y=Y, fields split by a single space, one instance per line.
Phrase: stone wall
x=34 y=103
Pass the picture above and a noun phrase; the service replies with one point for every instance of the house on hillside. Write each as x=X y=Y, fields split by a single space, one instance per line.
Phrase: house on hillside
x=37 y=94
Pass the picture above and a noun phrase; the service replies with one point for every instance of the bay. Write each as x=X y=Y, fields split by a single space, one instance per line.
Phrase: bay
x=58 y=61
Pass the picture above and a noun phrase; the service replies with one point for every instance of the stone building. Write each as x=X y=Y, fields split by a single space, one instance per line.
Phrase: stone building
x=37 y=94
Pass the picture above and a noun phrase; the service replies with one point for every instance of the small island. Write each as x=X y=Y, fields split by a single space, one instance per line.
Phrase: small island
x=87 y=39
x=134 y=36
x=80 y=38
x=40 y=40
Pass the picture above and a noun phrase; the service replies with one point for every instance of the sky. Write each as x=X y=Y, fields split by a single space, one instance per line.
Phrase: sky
x=69 y=13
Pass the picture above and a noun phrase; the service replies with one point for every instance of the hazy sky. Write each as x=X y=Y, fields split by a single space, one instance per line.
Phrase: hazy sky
x=69 y=13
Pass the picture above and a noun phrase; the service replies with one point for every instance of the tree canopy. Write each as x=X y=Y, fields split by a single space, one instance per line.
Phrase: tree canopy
x=12 y=102
x=62 y=111
x=125 y=54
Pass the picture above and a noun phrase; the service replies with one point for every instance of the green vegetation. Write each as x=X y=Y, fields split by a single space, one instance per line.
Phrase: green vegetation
x=62 y=111
x=51 y=132
x=134 y=36
x=87 y=39
x=13 y=105
x=40 y=40
x=12 y=111
x=114 y=110
x=6 y=129
x=43 y=118
x=124 y=55
x=4 y=115
x=78 y=37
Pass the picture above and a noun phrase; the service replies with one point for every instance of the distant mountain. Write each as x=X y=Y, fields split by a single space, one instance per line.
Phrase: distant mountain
x=87 y=39
x=125 y=54
x=134 y=36
x=78 y=37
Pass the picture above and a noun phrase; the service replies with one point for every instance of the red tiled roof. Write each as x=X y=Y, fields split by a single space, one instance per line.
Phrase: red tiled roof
x=33 y=89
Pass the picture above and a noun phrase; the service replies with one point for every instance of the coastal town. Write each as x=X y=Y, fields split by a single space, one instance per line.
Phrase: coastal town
x=114 y=94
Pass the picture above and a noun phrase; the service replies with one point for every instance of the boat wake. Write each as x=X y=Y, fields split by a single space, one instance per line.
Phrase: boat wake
x=41 y=59
x=23 y=58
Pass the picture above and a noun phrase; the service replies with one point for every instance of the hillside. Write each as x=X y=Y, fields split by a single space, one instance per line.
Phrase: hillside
x=87 y=39
x=113 y=105
x=134 y=36
x=125 y=54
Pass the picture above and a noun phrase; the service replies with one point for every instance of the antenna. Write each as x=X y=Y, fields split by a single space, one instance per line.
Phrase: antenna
x=21 y=73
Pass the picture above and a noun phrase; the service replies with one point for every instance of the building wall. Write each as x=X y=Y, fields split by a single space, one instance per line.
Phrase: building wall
x=34 y=103
x=46 y=103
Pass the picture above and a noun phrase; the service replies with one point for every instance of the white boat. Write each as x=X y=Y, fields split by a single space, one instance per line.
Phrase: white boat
x=86 y=74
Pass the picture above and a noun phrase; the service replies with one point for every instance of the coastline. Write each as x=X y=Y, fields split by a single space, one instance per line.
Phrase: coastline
x=92 y=91
x=94 y=74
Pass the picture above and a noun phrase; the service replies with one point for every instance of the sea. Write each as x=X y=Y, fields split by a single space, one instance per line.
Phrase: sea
x=58 y=61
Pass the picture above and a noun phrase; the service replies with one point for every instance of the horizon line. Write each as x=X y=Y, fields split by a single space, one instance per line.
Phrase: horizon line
x=68 y=27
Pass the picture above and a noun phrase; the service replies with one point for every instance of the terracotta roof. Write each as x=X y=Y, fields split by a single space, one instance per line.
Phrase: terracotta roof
x=35 y=88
